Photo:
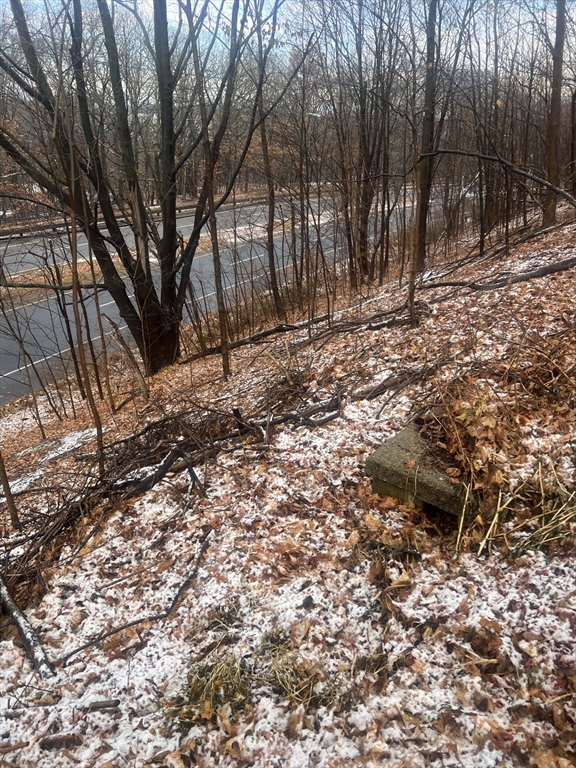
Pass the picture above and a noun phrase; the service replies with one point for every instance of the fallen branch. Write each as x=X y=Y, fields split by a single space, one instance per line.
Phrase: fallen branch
x=13 y=747
x=255 y=338
x=370 y=324
x=36 y=653
x=147 y=483
x=375 y=390
x=195 y=480
x=60 y=741
x=98 y=706
x=330 y=410
x=523 y=277
x=550 y=269
x=399 y=381
x=171 y=454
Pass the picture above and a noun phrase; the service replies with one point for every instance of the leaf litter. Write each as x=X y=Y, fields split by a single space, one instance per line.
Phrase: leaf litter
x=324 y=625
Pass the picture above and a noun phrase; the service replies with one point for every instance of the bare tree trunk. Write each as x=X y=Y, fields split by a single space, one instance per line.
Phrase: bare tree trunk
x=211 y=150
x=426 y=162
x=80 y=345
x=573 y=146
x=416 y=184
x=278 y=303
x=14 y=519
x=105 y=368
x=553 y=131
x=61 y=302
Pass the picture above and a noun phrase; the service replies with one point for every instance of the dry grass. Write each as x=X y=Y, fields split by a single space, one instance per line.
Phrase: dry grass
x=213 y=687
x=228 y=684
x=553 y=519
x=300 y=682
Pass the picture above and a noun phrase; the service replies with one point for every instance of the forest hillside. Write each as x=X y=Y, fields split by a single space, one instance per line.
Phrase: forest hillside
x=230 y=592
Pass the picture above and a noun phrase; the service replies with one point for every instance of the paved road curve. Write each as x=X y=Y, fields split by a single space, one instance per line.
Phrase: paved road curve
x=40 y=323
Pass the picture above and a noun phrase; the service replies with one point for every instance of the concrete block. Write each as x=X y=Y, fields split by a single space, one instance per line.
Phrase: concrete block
x=404 y=467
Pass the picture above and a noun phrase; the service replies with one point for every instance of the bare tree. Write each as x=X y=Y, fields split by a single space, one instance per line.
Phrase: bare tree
x=268 y=174
x=14 y=518
x=112 y=187
x=553 y=129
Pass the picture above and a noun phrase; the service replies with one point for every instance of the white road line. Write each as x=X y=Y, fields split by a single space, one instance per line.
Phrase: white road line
x=41 y=360
x=49 y=357
x=36 y=303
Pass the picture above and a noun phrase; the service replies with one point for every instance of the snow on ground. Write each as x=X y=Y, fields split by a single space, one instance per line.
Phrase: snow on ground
x=353 y=632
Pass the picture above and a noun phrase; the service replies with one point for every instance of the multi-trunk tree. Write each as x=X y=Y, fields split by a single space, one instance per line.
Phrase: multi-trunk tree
x=106 y=142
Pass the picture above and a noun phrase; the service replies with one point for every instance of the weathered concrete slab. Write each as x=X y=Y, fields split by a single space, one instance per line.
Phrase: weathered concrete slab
x=405 y=468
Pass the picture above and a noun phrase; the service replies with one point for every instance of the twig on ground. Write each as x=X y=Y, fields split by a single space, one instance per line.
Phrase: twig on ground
x=492 y=527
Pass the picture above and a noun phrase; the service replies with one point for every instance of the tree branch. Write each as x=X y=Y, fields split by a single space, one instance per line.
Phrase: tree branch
x=510 y=166
x=35 y=651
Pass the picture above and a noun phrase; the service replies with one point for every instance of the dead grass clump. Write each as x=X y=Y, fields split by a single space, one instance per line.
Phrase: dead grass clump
x=223 y=685
x=480 y=423
x=300 y=682
x=482 y=416
x=290 y=389
x=224 y=616
x=227 y=685
x=481 y=411
x=377 y=668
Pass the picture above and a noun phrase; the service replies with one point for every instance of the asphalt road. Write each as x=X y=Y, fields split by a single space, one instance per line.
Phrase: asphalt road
x=43 y=351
